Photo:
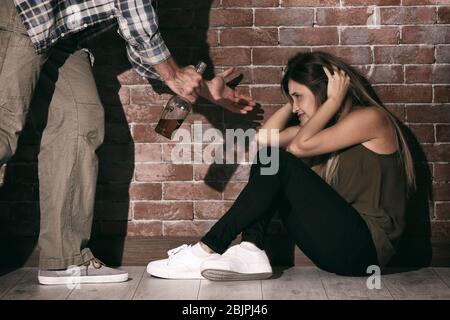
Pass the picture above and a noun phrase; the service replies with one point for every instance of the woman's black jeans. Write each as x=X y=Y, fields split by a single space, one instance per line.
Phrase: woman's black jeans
x=324 y=226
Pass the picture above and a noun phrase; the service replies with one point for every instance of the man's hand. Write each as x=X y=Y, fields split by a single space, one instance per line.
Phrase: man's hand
x=185 y=82
x=220 y=94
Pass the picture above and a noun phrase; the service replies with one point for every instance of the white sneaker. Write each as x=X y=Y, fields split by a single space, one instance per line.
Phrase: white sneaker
x=244 y=261
x=183 y=263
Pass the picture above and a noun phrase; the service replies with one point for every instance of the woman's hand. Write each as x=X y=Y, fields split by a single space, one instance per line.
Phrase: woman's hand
x=338 y=84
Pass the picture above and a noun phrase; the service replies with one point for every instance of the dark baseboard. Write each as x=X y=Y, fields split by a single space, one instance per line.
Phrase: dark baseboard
x=138 y=251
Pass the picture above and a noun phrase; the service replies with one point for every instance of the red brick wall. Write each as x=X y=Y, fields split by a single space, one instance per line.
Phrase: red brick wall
x=402 y=45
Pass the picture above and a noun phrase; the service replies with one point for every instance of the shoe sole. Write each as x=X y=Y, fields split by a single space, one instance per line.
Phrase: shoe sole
x=164 y=274
x=82 y=279
x=225 y=275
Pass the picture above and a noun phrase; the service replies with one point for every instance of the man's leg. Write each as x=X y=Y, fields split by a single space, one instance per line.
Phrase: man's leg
x=68 y=164
x=20 y=68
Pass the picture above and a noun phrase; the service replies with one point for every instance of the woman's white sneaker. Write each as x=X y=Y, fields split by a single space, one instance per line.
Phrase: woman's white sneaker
x=183 y=263
x=244 y=261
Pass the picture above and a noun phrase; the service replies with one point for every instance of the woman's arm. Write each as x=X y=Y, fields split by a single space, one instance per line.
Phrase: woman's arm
x=278 y=121
x=356 y=127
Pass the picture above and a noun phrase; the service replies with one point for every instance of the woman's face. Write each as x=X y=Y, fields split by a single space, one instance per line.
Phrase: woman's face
x=304 y=101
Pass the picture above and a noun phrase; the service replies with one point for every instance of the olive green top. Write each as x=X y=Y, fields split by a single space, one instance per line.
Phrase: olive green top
x=375 y=185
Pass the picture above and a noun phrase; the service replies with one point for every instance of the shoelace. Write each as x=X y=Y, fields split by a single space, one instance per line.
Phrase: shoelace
x=95 y=262
x=171 y=253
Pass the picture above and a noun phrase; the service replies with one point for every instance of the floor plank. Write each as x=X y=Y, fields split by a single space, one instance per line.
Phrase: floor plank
x=230 y=290
x=10 y=278
x=419 y=284
x=162 y=289
x=444 y=274
x=300 y=283
x=352 y=288
x=110 y=291
x=28 y=288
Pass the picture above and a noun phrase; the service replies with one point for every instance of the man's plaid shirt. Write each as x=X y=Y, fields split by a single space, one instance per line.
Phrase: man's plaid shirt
x=47 y=21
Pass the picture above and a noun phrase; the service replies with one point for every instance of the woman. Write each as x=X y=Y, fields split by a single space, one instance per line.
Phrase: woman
x=344 y=176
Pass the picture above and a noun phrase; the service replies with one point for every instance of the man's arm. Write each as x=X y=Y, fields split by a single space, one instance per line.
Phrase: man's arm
x=147 y=52
x=150 y=57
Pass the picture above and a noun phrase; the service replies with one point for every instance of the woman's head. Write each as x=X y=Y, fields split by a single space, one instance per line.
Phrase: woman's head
x=305 y=73
x=305 y=84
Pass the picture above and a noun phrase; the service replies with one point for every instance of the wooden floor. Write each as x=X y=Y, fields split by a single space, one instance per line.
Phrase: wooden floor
x=292 y=283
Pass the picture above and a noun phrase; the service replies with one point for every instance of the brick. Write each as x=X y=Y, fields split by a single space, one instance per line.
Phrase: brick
x=441 y=191
x=362 y=35
x=143 y=113
x=423 y=132
x=146 y=191
x=371 y=2
x=146 y=152
x=233 y=189
x=442 y=94
x=384 y=74
x=265 y=95
x=426 y=2
x=403 y=54
x=192 y=191
x=221 y=172
x=269 y=75
x=147 y=133
x=309 y=3
x=184 y=158
x=351 y=55
x=442 y=211
x=398 y=111
x=186 y=228
x=249 y=37
x=428 y=74
x=443 y=54
x=163 y=172
x=342 y=16
x=274 y=56
x=230 y=18
x=426 y=34
x=443 y=133
x=441 y=172
x=163 y=210
x=146 y=95
x=145 y=228
x=230 y=56
x=408 y=15
x=250 y=3
x=131 y=77
x=440 y=231
x=404 y=93
x=284 y=17
x=211 y=209
x=443 y=15
x=437 y=153
x=308 y=36
x=428 y=114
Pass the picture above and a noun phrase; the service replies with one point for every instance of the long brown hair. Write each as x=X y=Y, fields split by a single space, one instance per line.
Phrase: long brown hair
x=307 y=69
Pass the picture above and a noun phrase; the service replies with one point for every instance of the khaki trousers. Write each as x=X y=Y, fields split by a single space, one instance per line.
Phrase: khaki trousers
x=60 y=86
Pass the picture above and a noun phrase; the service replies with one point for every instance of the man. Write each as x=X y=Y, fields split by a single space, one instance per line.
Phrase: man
x=42 y=40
